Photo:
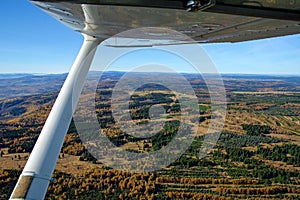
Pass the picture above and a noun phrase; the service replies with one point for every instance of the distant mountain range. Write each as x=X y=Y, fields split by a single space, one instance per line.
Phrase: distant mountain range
x=20 y=84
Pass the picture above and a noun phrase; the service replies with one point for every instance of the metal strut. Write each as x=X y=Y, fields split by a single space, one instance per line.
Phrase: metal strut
x=35 y=178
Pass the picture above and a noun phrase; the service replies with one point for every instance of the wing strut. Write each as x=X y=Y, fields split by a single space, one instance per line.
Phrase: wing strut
x=35 y=178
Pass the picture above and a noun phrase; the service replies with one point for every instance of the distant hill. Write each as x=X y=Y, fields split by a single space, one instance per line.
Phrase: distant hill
x=13 y=85
x=12 y=76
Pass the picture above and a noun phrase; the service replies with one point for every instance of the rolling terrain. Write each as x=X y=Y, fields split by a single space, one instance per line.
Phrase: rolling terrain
x=256 y=157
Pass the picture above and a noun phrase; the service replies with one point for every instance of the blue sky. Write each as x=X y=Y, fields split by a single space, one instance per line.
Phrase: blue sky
x=33 y=42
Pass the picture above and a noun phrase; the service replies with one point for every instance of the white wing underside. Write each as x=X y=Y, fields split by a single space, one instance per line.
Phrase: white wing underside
x=104 y=19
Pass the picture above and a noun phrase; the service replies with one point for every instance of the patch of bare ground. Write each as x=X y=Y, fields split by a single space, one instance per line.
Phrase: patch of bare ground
x=72 y=165
x=133 y=146
x=68 y=164
x=250 y=148
x=13 y=161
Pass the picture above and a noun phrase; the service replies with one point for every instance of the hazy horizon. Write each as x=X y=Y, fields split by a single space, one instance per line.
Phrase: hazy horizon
x=93 y=71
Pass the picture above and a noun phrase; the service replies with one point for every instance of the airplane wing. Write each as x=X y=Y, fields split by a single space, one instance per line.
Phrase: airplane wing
x=211 y=21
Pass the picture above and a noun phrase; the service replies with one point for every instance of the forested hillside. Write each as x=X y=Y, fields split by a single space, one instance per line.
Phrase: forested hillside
x=256 y=156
